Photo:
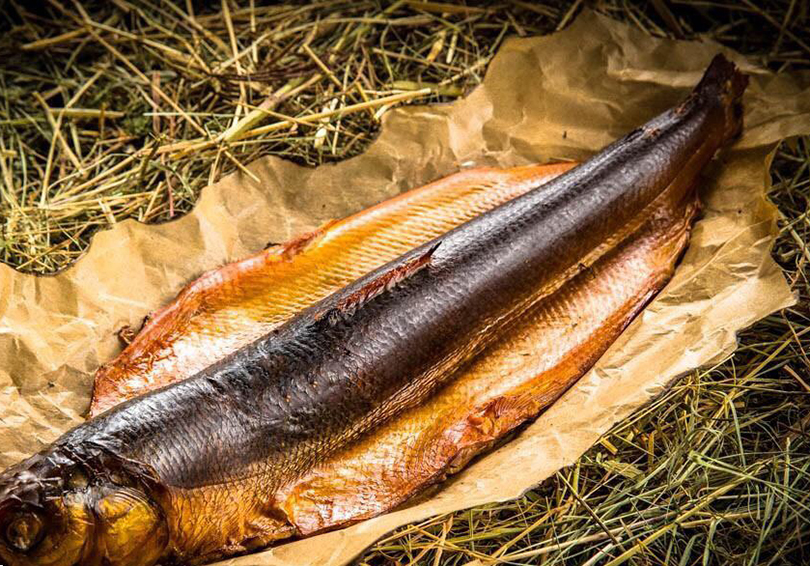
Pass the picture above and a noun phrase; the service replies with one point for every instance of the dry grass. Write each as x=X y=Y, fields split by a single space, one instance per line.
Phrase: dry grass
x=128 y=108
x=133 y=107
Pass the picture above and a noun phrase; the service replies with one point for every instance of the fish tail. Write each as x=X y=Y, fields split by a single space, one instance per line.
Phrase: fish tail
x=724 y=83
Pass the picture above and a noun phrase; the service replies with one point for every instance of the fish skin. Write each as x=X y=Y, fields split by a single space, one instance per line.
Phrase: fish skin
x=231 y=306
x=546 y=351
x=225 y=442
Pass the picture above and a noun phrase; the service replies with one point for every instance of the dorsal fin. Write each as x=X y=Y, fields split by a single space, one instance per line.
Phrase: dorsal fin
x=386 y=281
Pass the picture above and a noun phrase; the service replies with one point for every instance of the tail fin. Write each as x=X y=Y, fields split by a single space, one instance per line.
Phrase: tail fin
x=725 y=83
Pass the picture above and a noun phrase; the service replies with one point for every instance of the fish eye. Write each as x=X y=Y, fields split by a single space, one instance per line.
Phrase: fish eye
x=24 y=532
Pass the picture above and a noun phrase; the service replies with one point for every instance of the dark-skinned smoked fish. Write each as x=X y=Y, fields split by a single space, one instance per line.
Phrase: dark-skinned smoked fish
x=386 y=385
x=232 y=306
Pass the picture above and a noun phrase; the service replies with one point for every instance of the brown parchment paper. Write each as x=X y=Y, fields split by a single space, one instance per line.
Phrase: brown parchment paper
x=559 y=96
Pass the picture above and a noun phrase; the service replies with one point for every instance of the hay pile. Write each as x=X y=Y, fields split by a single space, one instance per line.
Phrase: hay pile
x=111 y=110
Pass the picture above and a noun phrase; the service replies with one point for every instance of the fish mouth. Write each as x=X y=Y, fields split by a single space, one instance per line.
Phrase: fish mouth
x=58 y=543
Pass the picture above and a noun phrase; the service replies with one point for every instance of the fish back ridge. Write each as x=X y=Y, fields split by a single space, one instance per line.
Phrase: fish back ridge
x=385 y=281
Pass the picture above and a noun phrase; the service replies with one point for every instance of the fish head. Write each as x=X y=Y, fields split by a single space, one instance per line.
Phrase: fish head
x=55 y=511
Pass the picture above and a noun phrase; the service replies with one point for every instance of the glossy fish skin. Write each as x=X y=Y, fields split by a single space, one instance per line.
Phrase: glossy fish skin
x=225 y=442
x=230 y=307
x=527 y=369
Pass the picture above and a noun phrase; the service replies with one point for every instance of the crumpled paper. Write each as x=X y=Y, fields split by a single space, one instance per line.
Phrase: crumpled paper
x=562 y=96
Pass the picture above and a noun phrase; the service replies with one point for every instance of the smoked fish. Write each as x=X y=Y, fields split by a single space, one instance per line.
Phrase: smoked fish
x=387 y=384
x=230 y=307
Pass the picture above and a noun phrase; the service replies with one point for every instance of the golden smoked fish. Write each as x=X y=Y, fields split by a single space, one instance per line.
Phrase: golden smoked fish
x=380 y=388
